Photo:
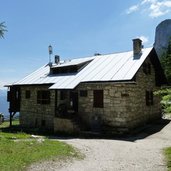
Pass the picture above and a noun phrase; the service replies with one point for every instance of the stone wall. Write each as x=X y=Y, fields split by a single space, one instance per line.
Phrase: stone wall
x=124 y=103
x=33 y=114
x=65 y=125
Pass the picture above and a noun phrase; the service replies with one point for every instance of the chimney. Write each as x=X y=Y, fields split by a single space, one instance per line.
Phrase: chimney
x=57 y=59
x=97 y=54
x=137 y=46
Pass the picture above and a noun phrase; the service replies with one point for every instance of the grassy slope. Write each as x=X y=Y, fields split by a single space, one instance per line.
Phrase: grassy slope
x=168 y=155
x=18 y=150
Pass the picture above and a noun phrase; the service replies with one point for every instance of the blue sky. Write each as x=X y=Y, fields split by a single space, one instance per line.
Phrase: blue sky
x=75 y=28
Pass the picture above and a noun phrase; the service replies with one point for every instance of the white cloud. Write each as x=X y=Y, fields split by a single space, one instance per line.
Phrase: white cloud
x=155 y=8
x=159 y=8
x=132 y=9
x=148 y=1
x=144 y=39
x=167 y=3
x=2 y=83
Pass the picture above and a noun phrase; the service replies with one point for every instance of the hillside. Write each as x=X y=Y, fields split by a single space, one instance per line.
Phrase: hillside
x=3 y=102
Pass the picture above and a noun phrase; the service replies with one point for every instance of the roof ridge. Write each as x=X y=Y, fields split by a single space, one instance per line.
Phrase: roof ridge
x=119 y=52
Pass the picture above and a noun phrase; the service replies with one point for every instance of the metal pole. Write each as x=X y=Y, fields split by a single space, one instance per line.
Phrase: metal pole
x=10 y=119
x=49 y=58
x=50 y=52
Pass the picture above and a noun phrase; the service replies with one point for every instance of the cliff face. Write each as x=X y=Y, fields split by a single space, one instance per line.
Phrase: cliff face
x=162 y=36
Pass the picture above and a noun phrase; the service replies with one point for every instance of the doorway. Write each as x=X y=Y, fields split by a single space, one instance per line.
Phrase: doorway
x=74 y=100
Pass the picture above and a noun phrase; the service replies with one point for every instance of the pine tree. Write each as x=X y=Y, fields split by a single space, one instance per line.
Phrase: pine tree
x=166 y=62
x=2 y=29
x=166 y=93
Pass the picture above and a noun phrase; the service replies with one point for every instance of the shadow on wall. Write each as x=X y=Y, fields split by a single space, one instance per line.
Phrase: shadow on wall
x=141 y=133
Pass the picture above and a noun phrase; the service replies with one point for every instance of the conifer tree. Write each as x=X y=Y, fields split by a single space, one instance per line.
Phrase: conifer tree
x=166 y=62
x=2 y=29
x=166 y=93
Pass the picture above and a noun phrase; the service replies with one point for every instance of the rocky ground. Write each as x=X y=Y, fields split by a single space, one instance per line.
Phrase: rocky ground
x=142 y=152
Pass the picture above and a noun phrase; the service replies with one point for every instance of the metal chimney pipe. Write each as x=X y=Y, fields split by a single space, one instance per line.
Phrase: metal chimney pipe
x=57 y=59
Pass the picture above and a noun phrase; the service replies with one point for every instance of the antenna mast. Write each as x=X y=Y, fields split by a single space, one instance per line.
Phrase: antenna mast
x=50 y=53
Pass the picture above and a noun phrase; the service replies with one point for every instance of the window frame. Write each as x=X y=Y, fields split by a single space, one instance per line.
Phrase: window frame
x=43 y=97
x=43 y=123
x=83 y=93
x=147 y=68
x=63 y=95
x=27 y=94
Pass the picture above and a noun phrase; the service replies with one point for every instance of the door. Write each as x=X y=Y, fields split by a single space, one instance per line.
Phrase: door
x=74 y=100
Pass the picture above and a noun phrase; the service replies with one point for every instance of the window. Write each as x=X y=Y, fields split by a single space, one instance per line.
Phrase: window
x=149 y=98
x=98 y=98
x=36 y=122
x=43 y=97
x=63 y=95
x=43 y=123
x=124 y=95
x=83 y=93
x=147 y=68
x=70 y=69
x=64 y=70
x=27 y=94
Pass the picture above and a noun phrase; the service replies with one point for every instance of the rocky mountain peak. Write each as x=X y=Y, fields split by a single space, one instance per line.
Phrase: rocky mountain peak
x=162 y=36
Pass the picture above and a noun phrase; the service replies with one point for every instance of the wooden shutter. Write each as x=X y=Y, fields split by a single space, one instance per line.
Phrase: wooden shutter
x=98 y=98
x=147 y=98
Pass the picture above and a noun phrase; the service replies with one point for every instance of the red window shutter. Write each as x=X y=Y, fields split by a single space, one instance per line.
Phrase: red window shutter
x=98 y=98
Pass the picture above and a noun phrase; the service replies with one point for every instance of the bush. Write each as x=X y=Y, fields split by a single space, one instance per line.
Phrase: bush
x=165 y=94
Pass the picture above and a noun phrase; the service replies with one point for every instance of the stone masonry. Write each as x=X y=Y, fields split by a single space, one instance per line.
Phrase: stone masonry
x=36 y=115
x=124 y=105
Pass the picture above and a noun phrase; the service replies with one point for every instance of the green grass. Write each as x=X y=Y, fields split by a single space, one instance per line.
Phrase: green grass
x=167 y=152
x=9 y=133
x=13 y=136
x=16 y=155
x=5 y=124
x=19 y=150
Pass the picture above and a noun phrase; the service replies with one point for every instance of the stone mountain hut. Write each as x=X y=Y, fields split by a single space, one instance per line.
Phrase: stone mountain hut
x=104 y=93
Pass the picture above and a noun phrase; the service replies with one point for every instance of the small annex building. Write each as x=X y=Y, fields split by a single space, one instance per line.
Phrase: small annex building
x=106 y=93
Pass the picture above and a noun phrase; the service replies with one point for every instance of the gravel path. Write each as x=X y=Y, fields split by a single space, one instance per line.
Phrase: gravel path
x=139 y=153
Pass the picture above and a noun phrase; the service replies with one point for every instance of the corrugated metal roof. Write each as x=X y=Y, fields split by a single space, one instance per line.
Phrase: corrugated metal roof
x=73 y=62
x=42 y=75
x=112 y=67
